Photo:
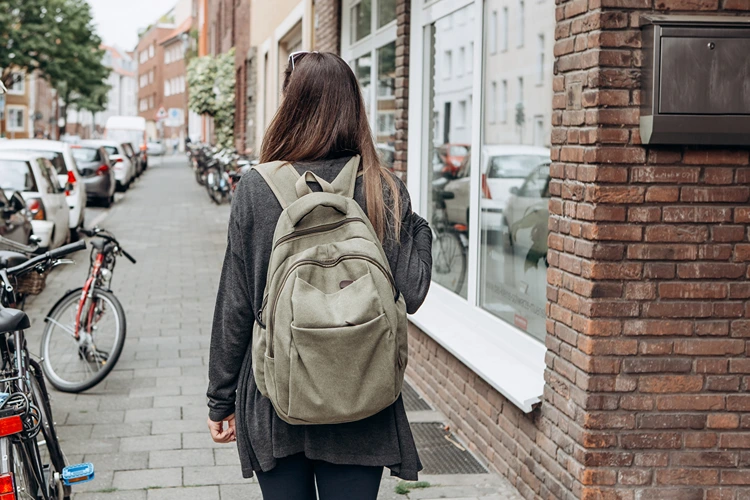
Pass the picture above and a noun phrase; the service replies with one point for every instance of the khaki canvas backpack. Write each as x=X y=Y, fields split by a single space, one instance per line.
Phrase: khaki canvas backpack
x=330 y=342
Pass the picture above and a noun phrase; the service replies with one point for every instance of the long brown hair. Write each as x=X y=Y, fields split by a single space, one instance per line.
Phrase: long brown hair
x=323 y=114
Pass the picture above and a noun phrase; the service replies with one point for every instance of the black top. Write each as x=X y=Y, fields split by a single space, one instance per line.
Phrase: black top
x=262 y=437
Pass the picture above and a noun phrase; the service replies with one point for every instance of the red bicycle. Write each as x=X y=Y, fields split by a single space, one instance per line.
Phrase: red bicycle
x=85 y=331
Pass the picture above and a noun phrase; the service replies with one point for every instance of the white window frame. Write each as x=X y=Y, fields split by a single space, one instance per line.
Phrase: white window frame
x=10 y=127
x=504 y=101
x=541 y=56
x=19 y=87
x=369 y=45
x=521 y=27
x=509 y=359
x=505 y=28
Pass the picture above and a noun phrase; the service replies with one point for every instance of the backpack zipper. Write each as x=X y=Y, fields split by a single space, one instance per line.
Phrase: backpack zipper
x=317 y=229
x=327 y=264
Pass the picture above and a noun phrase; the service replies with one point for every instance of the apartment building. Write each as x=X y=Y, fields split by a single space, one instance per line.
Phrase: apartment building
x=150 y=56
x=123 y=83
x=174 y=46
x=16 y=122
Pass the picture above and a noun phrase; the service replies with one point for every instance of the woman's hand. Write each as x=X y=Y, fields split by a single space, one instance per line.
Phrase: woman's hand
x=221 y=435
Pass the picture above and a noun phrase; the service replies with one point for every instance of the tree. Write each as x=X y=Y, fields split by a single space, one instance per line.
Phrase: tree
x=211 y=83
x=75 y=67
x=28 y=37
x=200 y=77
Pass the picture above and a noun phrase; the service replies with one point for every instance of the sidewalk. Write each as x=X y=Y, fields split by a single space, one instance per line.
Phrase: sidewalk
x=144 y=426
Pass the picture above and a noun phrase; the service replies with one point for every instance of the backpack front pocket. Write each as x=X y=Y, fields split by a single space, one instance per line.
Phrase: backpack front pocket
x=340 y=374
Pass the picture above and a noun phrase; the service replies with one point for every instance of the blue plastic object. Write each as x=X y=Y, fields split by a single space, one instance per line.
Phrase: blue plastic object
x=4 y=397
x=78 y=473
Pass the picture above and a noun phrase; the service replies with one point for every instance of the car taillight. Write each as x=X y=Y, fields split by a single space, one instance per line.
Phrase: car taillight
x=10 y=425
x=102 y=170
x=486 y=188
x=7 y=492
x=71 y=182
x=119 y=160
x=36 y=207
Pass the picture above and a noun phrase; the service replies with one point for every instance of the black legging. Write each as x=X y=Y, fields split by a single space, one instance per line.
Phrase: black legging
x=294 y=478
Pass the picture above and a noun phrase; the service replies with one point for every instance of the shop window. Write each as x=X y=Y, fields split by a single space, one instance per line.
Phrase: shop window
x=361 y=20
x=386 y=12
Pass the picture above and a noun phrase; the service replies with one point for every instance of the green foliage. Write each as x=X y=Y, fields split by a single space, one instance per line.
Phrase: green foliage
x=211 y=83
x=27 y=36
x=404 y=487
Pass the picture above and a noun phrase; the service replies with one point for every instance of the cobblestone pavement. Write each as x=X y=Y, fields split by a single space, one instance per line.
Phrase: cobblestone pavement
x=144 y=426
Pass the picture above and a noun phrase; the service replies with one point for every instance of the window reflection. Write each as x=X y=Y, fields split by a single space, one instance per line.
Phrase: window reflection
x=362 y=69
x=386 y=12
x=361 y=20
x=515 y=168
x=450 y=139
x=386 y=124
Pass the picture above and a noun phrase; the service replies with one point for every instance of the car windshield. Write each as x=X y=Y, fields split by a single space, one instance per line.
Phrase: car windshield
x=124 y=135
x=16 y=175
x=514 y=166
x=57 y=160
x=111 y=150
x=86 y=154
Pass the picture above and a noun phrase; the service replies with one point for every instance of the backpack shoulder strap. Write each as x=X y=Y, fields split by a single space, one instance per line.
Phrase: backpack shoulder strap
x=281 y=177
x=344 y=183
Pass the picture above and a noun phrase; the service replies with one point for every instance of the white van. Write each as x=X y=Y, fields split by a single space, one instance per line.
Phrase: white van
x=130 y=129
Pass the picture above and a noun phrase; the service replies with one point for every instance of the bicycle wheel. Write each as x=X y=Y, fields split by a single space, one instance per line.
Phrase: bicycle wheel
x=75 y=365
x=49 y=447
x=449 y=260
x=213 y=178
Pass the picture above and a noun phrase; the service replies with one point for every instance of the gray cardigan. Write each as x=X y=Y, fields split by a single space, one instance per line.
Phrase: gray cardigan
x=262 y=437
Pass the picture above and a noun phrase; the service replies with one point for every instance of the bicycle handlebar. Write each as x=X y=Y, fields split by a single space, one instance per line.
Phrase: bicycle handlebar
x=104 y=234
x=128 y=256
x=47 y=256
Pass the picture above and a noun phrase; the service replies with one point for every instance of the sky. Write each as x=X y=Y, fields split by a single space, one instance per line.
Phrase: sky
x=118 y=20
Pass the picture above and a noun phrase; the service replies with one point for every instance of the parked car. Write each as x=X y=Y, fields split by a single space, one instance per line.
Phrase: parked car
x=98 y=174
x=129 y=129
x=59 y=154
x=526 y=214
x=453 y=155
x=156 y=148
x=121 y=162
x=35 y=177
x=502 y=168
x=15 y=218
x=134 y=156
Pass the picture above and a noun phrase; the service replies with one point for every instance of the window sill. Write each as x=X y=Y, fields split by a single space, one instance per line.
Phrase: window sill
x=508 y=359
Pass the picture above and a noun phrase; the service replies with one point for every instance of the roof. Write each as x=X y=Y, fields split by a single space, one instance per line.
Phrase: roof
x=36 y=144
x=182 y=28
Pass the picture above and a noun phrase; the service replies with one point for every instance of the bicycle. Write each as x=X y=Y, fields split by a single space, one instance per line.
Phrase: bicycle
x=72 y=359
x=449 y=245
x=32 y=464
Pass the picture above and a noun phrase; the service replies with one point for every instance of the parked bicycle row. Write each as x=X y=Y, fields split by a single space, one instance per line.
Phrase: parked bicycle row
x=46 y=185
x=219 y=170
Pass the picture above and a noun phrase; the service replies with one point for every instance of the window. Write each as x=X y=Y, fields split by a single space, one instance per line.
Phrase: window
x=470 y=59
x=386 y=12
x=142 y=105
x=386 y=104
x=540 y=60
x=18 y=87
x=151 y=76
x=151 y=102
x=539 y=137
x=448 y=161
x=361 y=20
x=506 y=22
x=167 y=56
x=521 y=22
x=504 y=101
x=362 y=69
x=166 y=88
x=493 y=103
x=16 y=121
x=492 y=33
x=143 y=56
x=461 y=61
x=151 y=51
x=16 y=175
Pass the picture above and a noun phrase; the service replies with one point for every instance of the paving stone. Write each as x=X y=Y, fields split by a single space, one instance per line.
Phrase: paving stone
x=148 y=478
x=112 y=495
x=197 y=492
x=74 y=431
x=218 y=474
x=226 y=456
x=121 y=430
x=178 y=426
x=180 y=458
x=198 y=361
x=118 y=461
x=179 y=401
x=247 y=491
x=151 y=414
x=150 y=443
x=102 y=482
x=201 y=440
x=129 y=403
x=95 y=417
x=99 y=445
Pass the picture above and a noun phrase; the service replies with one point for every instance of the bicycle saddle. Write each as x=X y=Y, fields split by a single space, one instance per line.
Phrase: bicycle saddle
x=98 y=243
x=12 y=320
x=11 y=259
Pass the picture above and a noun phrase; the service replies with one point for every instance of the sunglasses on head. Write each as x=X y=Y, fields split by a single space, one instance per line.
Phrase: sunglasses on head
x=295 y=57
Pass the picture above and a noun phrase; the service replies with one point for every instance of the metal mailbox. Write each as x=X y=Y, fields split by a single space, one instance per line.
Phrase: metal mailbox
x=695 y=86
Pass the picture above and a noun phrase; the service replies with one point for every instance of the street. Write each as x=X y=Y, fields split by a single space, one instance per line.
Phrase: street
x=144 y=426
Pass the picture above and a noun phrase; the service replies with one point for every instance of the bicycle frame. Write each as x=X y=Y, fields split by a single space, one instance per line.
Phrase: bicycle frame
x=86 y=293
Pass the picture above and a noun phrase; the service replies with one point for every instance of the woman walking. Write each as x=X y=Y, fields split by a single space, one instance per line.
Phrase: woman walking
x=321 y=127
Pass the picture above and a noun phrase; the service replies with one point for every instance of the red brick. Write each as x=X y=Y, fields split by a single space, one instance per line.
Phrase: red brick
x=668 y=175
x=671 y=421
x=651 y=440
x=714 y=175
x=725 y=194
x=644 y=214
x=687 y=476
x=735 y=440
x=706 y=347
x=662 y=252
x=715 y=156
x=700 y=439
x=710 y=270
x=612 y=232
x=723 y=421
x=640 y=291
x=690 y=402
x=742 y=252
x=738 y=402
x=738 y=477
x=681 y=290
x=686 y=214
x=634 y=477
x=614 y=194
x=676 y=234
x=658 y=327
x=728 y=233
x=659 y=270
x=677 y=309
x=656 y=365
x=670 y=383
x=661 y=194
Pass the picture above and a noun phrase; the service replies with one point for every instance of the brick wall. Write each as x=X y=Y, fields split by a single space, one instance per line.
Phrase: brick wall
x=648 y=311
x=252 y=100
x=403 y=22
x=241 y=37
x=328 y=26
